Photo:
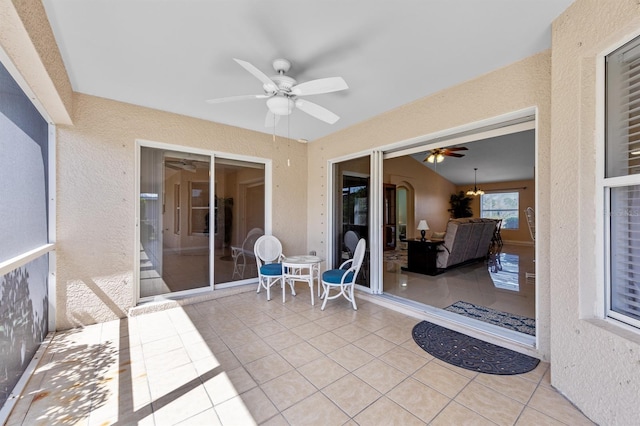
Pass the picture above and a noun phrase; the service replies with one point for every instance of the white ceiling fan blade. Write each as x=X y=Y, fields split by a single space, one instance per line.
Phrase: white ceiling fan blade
x=317 y=111
x=269 y=84
x=321 y=85
x=271 y=119
x=235 y=98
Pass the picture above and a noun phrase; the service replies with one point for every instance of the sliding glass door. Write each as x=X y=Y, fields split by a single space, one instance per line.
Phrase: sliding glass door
x=352 y=207
x=238 y=218
x=175 y=225
x=196 y=231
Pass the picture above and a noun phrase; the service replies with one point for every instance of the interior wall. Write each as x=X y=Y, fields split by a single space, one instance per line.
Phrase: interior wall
x=224 y=187
x=527 y=197
x=595 y=362
x=96 y=197
x=244 y=217
x=524 y=84
x=431 y=192
x=170 y=239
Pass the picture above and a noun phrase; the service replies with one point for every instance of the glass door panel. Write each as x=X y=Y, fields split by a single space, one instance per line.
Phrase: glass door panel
x=352 y=205
x=174 y=222
x=238 y=218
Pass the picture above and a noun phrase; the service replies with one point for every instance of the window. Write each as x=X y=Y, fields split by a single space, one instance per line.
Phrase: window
x=502 y=205
x=622 y=183
x=199 y=208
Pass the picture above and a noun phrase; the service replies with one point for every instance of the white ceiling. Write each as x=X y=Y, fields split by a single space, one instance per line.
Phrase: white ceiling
x=174 y=54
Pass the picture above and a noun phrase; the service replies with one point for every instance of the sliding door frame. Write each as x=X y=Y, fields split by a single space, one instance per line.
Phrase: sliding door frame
x=375 y=204
x=515 y=121
x=213 y=155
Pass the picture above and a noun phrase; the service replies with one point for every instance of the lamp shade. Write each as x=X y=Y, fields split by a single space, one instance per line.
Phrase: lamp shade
x=422 y=225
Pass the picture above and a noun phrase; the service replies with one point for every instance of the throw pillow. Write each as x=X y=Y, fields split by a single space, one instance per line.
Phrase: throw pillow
x=437 y=236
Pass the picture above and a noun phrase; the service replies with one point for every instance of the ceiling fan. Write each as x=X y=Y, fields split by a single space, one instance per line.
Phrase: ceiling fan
x=187 y=165
x=283 y=93
x=438 y=154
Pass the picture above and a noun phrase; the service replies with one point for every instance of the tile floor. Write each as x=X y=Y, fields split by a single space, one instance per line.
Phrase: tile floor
x=241 y=360
x=189 y=271
x=480 y=283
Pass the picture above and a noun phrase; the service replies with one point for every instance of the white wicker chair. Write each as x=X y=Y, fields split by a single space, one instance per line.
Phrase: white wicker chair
x=241 y=254
x=344 y=278
x=268 y=253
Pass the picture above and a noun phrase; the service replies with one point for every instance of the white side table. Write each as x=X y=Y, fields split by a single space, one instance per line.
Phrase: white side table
x=302 y=268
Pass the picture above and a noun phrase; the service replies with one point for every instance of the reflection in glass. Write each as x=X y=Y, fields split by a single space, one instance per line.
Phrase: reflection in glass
x=504 y=269
x=174 y=244
x=238 y=218
x=351 y=215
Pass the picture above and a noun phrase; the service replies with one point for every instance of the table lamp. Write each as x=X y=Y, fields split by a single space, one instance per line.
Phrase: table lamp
x=422 y=227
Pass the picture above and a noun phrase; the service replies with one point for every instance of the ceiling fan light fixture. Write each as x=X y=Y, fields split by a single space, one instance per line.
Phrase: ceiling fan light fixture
x=280 y=105
x=435 y=156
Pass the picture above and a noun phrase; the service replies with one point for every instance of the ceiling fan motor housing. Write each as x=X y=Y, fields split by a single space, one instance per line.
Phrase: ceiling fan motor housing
x=285 y=83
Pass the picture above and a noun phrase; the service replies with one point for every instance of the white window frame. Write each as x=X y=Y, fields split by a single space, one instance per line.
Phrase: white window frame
x=605 y=185
x=517 y=209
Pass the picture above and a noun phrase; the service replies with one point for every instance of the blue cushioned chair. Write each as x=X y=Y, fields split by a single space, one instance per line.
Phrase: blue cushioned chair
x=344 y=278
x=268 y=253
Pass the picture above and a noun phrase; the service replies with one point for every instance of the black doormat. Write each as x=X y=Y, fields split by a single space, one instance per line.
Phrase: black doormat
x=467 y=352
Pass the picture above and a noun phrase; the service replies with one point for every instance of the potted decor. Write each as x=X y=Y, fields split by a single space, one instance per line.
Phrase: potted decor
x=460 y=205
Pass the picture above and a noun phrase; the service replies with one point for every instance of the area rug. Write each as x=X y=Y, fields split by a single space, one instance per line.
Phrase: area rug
x=503 y=319
x=467 y=352
x=398 y=257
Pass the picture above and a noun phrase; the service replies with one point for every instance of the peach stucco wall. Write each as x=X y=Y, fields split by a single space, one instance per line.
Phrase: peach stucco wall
x=595 y=363
x=96 y=197
x=27 y=39
x=522 y=85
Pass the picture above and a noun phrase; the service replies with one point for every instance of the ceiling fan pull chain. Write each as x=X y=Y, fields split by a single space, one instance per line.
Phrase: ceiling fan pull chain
x=288 y=142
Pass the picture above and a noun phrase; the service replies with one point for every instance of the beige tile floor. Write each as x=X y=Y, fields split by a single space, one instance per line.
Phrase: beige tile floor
x=508 y=290
x=242 y=360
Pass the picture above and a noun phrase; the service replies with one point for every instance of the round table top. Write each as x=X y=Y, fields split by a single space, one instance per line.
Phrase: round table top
x=302 y=259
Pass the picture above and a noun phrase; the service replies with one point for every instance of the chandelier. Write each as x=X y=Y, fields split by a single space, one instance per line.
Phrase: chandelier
x=475 y=190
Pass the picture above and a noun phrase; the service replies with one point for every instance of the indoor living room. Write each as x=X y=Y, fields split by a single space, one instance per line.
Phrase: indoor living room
x=495 y=281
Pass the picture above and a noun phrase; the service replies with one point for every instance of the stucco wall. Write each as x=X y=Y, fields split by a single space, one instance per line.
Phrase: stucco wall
x=515 y=87
x=596 y=364
x=27 y=39
x=96 y=197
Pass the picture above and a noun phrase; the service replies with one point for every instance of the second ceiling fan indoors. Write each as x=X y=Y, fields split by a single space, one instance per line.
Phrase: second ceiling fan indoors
x=283 y=93
x=437 y=155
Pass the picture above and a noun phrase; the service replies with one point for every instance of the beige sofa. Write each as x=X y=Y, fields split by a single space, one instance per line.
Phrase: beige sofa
x=465 y=240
